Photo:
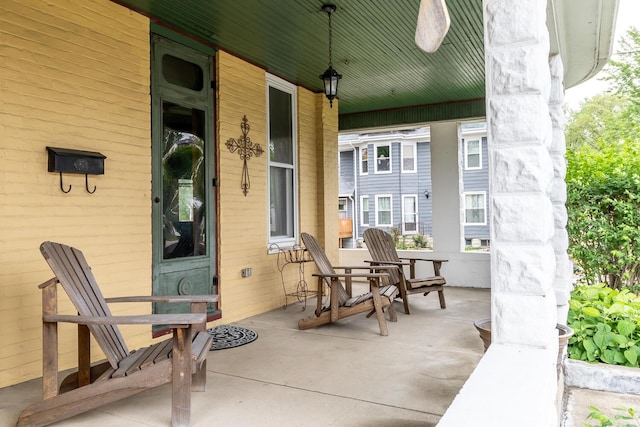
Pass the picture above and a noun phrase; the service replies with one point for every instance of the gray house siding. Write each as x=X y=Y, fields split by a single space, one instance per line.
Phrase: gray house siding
x=477 y=180
x=397 y=184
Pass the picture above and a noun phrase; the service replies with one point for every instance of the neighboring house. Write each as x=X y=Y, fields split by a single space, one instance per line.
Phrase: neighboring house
x=385 y=182
x=474 y=167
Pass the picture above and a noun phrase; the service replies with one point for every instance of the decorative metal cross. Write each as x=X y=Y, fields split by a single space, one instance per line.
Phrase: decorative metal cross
x=246 y=149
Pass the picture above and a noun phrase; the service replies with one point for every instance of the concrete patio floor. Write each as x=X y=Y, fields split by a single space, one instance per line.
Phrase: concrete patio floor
x=344 y=374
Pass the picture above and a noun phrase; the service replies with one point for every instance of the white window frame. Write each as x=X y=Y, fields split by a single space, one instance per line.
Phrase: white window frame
x=362 y=211
x=292 y=223
x=415 y=157
x=415 y=198
x=484 y=207
x=342 y=213
x=375 y=160
x=466 y=154
x=378 y=197
x=360 y=161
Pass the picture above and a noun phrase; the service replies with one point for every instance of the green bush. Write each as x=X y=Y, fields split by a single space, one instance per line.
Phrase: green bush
x=606 y=325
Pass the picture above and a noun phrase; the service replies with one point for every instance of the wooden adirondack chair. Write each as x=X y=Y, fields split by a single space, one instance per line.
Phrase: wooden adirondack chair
x=180 y=360
x=383 y=251
x=340 y=303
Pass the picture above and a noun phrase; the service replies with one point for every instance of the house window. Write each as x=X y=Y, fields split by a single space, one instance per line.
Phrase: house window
x=383 y=158
x=364 y=161
x=409 y=214
x=473 y=154
x=409 y=157
x=475 y=208
x=342 y=208
x=384 y=215
x=282 y=143
x=364 y=210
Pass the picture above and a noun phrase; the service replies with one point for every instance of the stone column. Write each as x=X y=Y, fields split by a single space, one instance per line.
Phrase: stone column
x=564 y=269
x=521 y=172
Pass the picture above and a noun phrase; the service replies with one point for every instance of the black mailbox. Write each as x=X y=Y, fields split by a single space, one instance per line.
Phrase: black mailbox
x=65 y=160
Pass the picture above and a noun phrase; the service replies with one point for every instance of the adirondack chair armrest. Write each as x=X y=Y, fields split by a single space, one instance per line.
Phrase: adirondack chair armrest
x=345 y=275
x=165 y=298
x=436 y=265
x=379 y=264
x=174 y=320
x=424 y=259
x=366 y=267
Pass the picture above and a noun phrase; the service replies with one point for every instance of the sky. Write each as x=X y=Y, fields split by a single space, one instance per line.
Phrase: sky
x=628 y=16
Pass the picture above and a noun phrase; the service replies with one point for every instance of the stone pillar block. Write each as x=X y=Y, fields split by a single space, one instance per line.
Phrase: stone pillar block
x=520 y=70
x=522 y=218
x=558 y=191
x=522 y=118
x=521 y=169
x=522 y=319
x=509 y=23
x=528 y=269
x=560 y=216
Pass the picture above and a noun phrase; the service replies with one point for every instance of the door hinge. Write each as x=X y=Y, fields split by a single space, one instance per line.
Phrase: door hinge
x=214 y=182
x=213 y=84
x=214 y=281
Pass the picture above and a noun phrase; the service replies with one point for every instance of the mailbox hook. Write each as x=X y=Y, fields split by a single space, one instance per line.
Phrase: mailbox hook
x=86 y=184
x=62 y=187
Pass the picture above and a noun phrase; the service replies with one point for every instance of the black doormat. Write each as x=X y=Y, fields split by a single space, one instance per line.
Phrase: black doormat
x=229 y=336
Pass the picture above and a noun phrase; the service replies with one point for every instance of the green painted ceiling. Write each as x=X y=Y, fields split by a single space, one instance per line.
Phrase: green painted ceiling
x=383 y=70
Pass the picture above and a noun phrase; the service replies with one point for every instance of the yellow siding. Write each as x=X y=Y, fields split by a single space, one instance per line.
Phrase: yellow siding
x=73 y=74
x=243 y=220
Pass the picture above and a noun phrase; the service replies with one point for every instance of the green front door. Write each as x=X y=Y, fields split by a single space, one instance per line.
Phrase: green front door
x=183 y=158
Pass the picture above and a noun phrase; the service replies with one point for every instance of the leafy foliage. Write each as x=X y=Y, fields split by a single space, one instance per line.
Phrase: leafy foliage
x=626 y=415
x=603 y=176
x=606 y=327
x=603 y=204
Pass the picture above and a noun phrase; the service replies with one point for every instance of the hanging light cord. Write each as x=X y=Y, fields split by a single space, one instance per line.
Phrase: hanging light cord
x=330 y=38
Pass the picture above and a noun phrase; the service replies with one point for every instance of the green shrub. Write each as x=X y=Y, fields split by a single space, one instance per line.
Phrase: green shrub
x=625 y=414
x=606 y=325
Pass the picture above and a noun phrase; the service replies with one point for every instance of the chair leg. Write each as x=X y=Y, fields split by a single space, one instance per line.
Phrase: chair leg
x=199 y=379
x=393 y=317
x=443 y=304
x=377 y=303
x=403 y=294
x=181 y=378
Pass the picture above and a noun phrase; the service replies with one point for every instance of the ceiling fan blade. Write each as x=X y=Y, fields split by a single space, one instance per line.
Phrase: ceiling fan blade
x=433 y=24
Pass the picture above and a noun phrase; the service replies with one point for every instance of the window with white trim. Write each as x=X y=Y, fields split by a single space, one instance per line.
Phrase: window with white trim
x=281 y=150
x=473 y=154
x=408 y=155
x=475 y=208
x=410 y=214
x=364 y=160
x=383 y=158
x=384 y=213
x=342 y=208
x=364 y=210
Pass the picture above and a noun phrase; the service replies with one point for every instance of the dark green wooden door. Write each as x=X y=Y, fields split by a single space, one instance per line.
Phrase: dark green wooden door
x=182 y=156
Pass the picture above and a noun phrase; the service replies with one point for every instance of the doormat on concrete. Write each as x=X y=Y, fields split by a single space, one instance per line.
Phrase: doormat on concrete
x=229 y=336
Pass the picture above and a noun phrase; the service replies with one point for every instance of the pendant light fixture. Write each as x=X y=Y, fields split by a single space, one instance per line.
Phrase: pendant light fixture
x=330 y=77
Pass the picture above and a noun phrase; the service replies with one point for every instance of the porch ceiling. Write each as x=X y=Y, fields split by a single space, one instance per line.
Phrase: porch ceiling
x=386 y=77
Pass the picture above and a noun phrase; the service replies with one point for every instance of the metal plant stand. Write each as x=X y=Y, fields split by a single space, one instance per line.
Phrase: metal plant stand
x=296 y=255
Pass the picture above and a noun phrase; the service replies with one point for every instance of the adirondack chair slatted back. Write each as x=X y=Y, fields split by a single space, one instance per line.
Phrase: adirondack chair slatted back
x=382 y=249
x=323 y=264
x=75 y=276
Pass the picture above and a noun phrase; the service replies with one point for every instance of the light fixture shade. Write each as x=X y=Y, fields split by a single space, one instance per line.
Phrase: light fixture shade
x=330 y=82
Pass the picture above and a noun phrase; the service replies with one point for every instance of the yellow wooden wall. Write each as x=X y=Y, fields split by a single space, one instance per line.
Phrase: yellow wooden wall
x=75 y=74
x=243 y=230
